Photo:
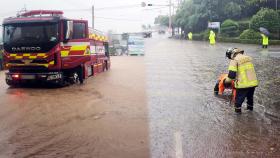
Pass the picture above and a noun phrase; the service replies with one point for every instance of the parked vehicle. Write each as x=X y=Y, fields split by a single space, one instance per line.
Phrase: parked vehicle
x=136 y=45
x=44 y=46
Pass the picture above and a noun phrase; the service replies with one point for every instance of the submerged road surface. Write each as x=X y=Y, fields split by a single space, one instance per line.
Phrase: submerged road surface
x=105 y=117
x=160 y=106
x=187 y=120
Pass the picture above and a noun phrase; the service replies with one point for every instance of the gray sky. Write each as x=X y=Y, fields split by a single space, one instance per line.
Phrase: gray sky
x=126 y=19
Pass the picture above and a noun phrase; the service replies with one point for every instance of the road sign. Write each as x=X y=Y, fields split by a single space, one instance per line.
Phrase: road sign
x=214 y=25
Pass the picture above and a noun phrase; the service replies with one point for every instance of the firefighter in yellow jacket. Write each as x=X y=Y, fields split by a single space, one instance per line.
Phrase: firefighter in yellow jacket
x=241 y=70
x=190 y=36
x=264 y=40
x=212 y=37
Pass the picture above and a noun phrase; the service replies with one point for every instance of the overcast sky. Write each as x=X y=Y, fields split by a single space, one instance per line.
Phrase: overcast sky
x=109 y=16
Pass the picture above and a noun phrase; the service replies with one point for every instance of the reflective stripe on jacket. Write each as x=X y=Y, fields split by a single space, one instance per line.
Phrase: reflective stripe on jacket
x=245 y=72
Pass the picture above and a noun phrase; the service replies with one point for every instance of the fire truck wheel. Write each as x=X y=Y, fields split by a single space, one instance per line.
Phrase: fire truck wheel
x=10 y=83
x=105 y=67
x=74 y=78
x=80 y=75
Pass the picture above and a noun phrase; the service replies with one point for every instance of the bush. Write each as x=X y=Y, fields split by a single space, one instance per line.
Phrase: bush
x=205 y=34
x=229 y=28
x=198 y=37
x=244 y=25
x=246 y=41
x=267 y=18
x=250 y=34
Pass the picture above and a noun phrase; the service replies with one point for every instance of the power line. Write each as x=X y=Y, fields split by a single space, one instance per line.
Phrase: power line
x=104 y=8
x=119 y=7
x=156 y=8
x=119 y=19
x=84 y=9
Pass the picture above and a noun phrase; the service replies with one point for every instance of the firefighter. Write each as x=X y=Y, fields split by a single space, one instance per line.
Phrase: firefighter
x=241 y=70
x=264 y=40
x=190 y=36
x=212 y=37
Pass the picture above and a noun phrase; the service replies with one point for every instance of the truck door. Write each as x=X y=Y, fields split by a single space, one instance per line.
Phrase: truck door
x=76 y=49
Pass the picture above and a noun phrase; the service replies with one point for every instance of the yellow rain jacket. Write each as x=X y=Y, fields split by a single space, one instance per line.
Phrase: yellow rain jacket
x=245 y=72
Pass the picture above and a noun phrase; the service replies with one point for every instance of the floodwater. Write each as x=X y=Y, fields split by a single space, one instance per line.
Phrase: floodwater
x=105 y=117
x=161 y=106
x=187 y=120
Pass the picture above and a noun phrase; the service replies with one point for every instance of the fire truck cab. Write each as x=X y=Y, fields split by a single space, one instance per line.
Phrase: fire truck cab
x=44 y=46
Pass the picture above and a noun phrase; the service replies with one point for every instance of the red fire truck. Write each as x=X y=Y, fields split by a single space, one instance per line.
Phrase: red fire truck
x=44 y=46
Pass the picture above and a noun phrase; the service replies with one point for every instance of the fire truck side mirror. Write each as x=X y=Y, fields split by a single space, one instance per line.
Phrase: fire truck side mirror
x=68 y=31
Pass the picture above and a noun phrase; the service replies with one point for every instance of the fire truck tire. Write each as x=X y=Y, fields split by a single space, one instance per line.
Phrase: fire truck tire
x=105 y=67
x=74 y=78
x=80 y=75
x=62 y=83
x=9 y=83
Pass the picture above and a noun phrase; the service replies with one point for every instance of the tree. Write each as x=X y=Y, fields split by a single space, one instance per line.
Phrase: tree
x=267 y=18
x=230 y=28
x=193 y=15
x=162 y=20
x=232 y=10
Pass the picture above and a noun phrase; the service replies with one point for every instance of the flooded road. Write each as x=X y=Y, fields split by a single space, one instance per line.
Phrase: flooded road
x=187 y=120
x=160 y=105
x=105 y=117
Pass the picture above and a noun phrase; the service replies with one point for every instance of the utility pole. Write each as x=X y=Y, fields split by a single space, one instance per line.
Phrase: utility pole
x=92 y=18
x=143 y=4
x=170 y=18
x=276 y=5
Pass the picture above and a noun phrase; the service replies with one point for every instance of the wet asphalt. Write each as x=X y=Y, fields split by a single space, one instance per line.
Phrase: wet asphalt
x=187 y=120
x=105 y=117
x=161 y=105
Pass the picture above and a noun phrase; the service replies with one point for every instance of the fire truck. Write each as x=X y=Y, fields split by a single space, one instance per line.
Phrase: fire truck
x=44 y=46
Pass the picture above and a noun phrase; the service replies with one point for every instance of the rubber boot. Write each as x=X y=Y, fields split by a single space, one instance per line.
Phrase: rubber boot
x=237 y=110
x=250 y=107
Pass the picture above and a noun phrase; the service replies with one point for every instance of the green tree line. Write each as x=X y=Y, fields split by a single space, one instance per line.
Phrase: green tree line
x=238 y=15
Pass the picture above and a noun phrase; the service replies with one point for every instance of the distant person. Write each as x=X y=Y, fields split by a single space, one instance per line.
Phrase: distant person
x=264 y=40
x=190 y=36
x=212 y=37
x=1 y=59
x=242 y=72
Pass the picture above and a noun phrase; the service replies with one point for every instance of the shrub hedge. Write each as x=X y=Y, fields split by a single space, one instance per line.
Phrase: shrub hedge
x=229 y=28
x=244 y=25
x=250 y=34
x=246 y=41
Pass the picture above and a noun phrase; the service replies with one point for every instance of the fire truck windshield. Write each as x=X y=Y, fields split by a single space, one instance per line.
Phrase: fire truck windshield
x=43 y=35
x=30 y=33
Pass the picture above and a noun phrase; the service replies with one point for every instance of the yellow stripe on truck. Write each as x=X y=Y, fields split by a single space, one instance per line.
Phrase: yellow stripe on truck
x=19 y=57
x=26 y=55
x=83 y=47
x=32 y=57
x=33 y=64
x=64 y=53
x=51 y=63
